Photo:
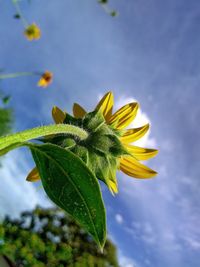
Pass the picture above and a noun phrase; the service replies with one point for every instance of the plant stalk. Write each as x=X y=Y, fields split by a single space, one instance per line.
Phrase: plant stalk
x=17 y=139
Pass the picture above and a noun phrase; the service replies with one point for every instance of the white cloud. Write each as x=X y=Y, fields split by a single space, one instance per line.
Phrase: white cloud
x=119 y=219
x=142 y=231
x=17 y=195
x=126 y=261
x=193 y=243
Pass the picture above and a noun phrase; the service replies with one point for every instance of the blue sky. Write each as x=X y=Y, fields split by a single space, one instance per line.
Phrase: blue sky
x=150 y=53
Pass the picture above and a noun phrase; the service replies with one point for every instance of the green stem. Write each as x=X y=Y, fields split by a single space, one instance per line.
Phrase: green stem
x=15 y=140
x=18 y=10
x=113 y=13
x=17 y=74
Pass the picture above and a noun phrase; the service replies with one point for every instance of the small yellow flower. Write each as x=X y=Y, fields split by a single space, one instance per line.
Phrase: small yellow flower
x=32 y=32
x=45 y=79
x=129 y=162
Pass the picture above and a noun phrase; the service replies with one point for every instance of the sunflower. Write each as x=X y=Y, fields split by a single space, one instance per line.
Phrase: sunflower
x=32 y=32
x=46 y=79
x=109 y=146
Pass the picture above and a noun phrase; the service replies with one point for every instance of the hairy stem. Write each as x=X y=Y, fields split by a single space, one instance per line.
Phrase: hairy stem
x=15 y=140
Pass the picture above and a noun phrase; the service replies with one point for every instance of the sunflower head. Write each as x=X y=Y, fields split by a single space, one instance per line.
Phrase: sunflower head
x=108 y=147
x=45 y=79
x=100 y=151
x=32 y=32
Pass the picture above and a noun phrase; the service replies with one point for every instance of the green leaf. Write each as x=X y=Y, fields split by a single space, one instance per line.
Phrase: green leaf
x=72 y=186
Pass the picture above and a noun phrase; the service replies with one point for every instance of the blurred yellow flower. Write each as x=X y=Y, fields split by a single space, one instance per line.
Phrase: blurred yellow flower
x=128 y=163
x=32 y=32
x=45 y=79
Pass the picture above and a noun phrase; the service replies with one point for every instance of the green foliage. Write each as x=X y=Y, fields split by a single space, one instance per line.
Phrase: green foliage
x=6 y=116
x=77 y=190
x=5 y=120
x=48 y=237
x=6 y=99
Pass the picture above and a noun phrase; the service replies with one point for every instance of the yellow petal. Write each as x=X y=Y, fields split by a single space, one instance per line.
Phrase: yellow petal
x=42 y=83
x=132 y=135
x=141 y=153
x=58 y=115
x=124 y=116
x=33 y=175
x=105 y=105
x=133 y=168
x=113 y=187
x=78 y=111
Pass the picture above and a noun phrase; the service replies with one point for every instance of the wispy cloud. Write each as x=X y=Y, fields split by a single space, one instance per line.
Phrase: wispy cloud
x=17 y=195
x=126 y=261
x=119 y=219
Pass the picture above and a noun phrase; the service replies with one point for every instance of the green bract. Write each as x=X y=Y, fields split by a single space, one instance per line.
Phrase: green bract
x=100 y=151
